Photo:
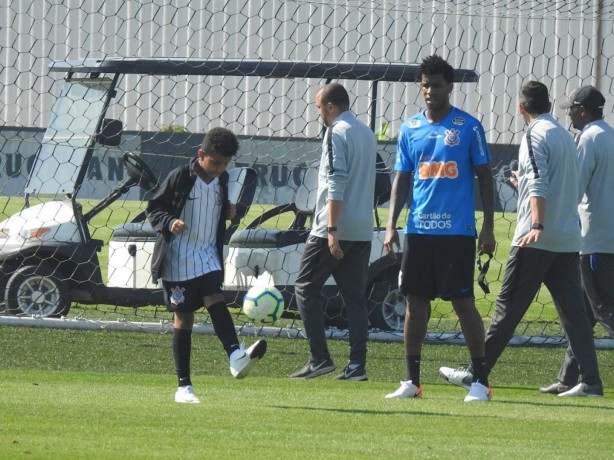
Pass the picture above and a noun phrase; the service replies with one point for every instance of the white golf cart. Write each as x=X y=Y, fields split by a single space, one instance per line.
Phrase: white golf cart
x=48 y=257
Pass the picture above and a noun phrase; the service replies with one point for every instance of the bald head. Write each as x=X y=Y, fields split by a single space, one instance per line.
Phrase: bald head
x=336 y=95
x=331 y=101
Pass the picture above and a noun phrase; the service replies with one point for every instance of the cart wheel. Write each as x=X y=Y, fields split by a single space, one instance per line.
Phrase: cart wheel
x=6 y=271
x=36 y=290
x=386 y=305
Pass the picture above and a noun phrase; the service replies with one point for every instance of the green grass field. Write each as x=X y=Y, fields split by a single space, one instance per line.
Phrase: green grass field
x=109 y=395
x=99 y=394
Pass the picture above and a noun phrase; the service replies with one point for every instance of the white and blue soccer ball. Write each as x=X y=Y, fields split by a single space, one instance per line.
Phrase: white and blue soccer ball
x=263 y=304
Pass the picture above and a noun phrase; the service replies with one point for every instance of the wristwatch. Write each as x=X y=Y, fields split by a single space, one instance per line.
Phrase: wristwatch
x=537 y=226
x=331 y=229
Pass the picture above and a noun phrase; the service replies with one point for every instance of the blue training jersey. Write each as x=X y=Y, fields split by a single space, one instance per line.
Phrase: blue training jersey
x=442 y=157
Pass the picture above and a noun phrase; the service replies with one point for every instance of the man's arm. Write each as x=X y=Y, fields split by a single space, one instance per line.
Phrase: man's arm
x=588 y=163
x=334 y=211
x=538 y=214
x=486 y=238
x=401 y=193
x=538 y=183
x=337 y=178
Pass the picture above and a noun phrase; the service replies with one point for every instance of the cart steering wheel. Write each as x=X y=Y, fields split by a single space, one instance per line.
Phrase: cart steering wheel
x=140 y=174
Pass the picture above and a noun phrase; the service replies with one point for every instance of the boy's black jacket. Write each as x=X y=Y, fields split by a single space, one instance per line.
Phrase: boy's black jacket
x=168 y=202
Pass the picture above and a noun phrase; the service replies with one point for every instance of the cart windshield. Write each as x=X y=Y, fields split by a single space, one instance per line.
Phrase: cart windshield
x=72 y=129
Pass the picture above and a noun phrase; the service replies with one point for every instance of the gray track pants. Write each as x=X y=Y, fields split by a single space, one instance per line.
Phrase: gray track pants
x=598 y=282
x=350 y=274
x=525 y=271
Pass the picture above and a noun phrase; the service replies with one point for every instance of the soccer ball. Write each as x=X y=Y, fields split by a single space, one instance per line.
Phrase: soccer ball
x=263 y=304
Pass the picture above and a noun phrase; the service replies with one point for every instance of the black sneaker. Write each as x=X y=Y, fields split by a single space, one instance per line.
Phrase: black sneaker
x=314 y=369
x=358 y=373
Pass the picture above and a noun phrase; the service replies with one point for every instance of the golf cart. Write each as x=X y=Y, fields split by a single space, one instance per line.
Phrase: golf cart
x=48 y=258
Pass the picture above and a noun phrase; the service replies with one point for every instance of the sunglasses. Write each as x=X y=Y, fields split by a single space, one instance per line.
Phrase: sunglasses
x=483 y=267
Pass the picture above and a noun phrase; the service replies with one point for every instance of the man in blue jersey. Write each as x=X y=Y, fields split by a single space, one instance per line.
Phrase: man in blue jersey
x=439 y=152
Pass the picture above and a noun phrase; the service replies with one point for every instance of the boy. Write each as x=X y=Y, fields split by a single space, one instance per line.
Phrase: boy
x=188 y=211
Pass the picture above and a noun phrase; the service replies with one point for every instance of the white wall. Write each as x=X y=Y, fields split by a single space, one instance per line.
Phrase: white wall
x=563 y=44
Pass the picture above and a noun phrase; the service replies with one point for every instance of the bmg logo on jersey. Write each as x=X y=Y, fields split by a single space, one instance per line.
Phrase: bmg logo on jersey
x=434 y=221
x=438 y=170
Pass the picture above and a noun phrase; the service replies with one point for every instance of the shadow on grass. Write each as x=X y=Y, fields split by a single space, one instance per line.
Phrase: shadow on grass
x=376 y=412
x=551 y=400
x=560 y=404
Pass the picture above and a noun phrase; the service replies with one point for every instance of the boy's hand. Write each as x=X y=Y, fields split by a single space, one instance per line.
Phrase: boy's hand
x=178 y=226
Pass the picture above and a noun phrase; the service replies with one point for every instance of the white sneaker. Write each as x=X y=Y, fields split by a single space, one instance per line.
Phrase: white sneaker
x=478 y=392
x=406 y=390
x=460 y=376
x=186 y=395
x=242 y=361
x=584 y=389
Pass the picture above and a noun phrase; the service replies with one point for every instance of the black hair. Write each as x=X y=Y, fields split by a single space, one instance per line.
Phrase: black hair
x=534 y=98
x=336 y=94
x=435 y=65
x=220 y=141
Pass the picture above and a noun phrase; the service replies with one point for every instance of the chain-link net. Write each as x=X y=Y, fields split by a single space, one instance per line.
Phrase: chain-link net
x=74 y=239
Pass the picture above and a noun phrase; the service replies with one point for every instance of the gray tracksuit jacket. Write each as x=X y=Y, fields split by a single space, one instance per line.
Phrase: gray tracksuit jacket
x=550 y=169
x=347 y=173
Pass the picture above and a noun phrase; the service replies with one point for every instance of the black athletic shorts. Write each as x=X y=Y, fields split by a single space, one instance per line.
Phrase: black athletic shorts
x=187 y=296
x=438 y=266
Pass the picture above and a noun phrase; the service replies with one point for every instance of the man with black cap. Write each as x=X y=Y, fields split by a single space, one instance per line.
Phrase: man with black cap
x=596 y=153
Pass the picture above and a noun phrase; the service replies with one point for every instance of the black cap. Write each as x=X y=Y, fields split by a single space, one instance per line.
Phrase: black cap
x=587 y=96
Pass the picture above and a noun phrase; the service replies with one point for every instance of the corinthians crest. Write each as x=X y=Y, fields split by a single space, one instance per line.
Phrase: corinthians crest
x=452 y=137
x=177 y=296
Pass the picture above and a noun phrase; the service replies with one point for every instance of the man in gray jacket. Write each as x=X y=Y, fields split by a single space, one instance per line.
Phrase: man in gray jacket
x=596 y=154
x=545 y=245
x=340 y=240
